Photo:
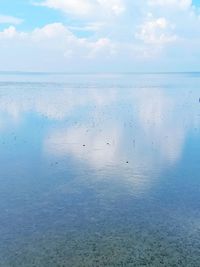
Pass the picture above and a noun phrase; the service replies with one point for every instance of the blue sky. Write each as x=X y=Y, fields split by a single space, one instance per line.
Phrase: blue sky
x=100 y=35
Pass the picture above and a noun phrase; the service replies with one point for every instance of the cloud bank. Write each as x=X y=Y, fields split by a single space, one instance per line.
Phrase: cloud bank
x=100 y=35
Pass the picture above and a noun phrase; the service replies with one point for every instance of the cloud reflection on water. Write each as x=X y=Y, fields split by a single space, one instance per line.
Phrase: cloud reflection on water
x=145 y=128
x=148 y=134
x=157 y=124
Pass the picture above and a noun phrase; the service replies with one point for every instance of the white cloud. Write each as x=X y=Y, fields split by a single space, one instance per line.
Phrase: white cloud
x=156 y=31
x=76 y=7
x=115 y=6
x=52 y=47
x=94 y=27
x=85 y=8
x=11 y=33
x=4 y=19
x=114 y=35
x=183 y=4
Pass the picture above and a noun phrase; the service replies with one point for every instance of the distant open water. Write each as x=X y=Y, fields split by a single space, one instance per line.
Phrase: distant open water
x=99 y=170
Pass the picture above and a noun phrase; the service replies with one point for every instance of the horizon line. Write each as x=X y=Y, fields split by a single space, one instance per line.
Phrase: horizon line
x=97 y=72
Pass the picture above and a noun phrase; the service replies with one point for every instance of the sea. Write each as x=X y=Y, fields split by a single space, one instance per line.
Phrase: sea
x=99 y=169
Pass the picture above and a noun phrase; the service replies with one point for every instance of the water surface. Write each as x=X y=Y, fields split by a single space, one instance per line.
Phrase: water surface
x=99 y=170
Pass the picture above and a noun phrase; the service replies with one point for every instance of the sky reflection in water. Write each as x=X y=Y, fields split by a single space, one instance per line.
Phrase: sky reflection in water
x=99 y=170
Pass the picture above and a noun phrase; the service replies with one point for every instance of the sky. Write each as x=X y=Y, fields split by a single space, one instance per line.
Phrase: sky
x=100 y=35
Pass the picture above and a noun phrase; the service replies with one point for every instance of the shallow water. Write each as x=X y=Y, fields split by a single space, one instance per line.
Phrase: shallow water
x=99 y=170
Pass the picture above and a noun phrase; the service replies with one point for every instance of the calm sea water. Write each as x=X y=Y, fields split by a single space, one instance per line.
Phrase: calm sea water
x=99 y=170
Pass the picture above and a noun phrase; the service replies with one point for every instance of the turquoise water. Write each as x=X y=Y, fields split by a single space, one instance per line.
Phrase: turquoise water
x=99 y=170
